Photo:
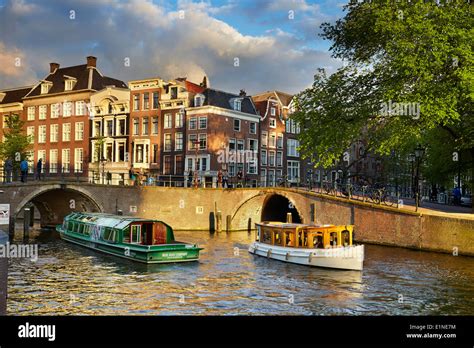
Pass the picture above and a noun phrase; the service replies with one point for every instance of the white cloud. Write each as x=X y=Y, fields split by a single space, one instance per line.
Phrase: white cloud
x=159 y=43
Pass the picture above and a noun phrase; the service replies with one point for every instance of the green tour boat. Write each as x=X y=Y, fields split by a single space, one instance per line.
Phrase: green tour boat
x=142 y=240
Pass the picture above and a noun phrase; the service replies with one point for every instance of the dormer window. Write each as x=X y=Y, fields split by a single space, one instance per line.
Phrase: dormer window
x=198 y=100
x=69 y=83
x=45 y=86
x=237 y=104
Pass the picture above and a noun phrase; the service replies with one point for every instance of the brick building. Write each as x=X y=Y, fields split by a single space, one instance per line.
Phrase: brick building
x=56 y=113
x=222 y=134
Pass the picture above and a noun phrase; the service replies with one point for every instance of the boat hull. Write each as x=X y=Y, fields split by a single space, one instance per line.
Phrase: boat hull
x=344 y=258
x=166 y=253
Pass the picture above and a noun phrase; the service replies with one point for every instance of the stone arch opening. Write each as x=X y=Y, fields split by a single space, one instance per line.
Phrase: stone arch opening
x=54 y=204
x=275 y=208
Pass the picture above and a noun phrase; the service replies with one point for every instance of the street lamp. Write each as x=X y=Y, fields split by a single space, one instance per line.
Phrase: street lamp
x=419 y=151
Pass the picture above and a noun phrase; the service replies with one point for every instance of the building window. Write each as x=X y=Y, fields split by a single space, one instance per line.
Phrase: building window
x=109 y=128
x=55 y=109
x=78 y=160
x=79 y=126
x=146 y=101
x=253 y=128
x=178 y=164
x=264 y=139
x=80 y=108
x=273 y=123
x=293 y=170
x=263 y=177
x=272 y=141
x=136 y=101
x=31 y=113
x=67 y=109
x=240 y=145
x=178 y=141
x=42 y=134
x=167 y=142
x=69 y=85
x=231 y=169
x=279 y=159
x=155 y=153
x=145 y=126
x=273 y=113
x=231 y=144
x=53 y=161
x=193 y=123
x=202 y=141
x=168 y=121
x=66 y=132
x=253 y=145
x=155 y=100
x=30 y=131
x=43 y=110
x=65 y=160
x=154 y=125
x=280 y=141
x=203 y=122
x=198 y=100
x=263 y=156
x=174 y=92
x=167 y=167
x=237 y=104
x=136 y=125
x=271 y=158
x=45 y=88
x=192 y=139
x=121 y=127
x=53 y=133
x=292 y=149
x=252 y=168
x=42 y=155
x=179 y=119
x=236 y=125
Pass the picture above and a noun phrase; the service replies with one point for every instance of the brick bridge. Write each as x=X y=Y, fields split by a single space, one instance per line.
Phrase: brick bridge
x=192 y=209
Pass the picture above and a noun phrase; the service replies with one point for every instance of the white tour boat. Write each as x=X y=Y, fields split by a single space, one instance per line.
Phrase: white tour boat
x=327 y=246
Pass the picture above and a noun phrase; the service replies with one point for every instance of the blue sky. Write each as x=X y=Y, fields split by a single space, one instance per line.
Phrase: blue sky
x=275 y=42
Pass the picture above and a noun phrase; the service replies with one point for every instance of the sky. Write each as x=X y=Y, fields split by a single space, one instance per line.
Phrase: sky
x=257 y=45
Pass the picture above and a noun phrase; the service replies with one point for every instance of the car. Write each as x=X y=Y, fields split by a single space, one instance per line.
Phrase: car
x=466 y=200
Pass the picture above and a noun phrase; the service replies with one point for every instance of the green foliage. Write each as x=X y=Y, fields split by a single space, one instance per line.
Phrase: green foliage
x=15 y=140
x=398 y=52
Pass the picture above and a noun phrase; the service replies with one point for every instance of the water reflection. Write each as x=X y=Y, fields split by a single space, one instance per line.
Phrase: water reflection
x=69 y=279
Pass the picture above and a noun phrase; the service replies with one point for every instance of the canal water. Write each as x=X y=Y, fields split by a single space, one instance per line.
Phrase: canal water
x=68 y=279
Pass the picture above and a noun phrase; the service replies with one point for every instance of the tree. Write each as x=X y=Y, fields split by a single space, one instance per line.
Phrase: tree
x=16 y=143
x=408 y=78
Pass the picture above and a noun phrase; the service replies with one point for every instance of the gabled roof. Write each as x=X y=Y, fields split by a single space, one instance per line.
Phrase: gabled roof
x=14 y=95
x=224 y=100
x=283 y=97
x=82 y=75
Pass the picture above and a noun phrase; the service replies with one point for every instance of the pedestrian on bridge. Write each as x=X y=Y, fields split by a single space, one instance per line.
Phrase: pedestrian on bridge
x=39 y=168
x=24 y=170
x=8 y=170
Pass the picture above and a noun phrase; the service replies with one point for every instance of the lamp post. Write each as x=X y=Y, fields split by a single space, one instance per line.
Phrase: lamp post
x=419 y=151
x=411 y=159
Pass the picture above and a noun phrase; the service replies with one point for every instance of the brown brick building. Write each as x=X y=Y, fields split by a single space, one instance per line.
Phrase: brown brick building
x=56 y=111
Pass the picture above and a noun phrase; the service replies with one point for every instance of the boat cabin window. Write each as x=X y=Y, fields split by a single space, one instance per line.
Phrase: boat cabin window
x=346 y=238
x=318 y=240
x=303 y=239
x=80 y=228
x=333 y=238
x=278 y=240
x=109 y=234
x=267 y=236
x=126 y=237
x=289 y=239
x=136 y=234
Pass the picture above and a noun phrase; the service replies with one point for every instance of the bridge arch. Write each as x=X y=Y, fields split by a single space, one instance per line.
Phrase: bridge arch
x=53 y=202
x=266 y=205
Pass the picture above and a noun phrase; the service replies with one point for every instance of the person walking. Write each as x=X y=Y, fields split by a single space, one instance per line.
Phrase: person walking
x=225 y=179
x=39 y=168
x=219 y=179
x=24 y=170
x=8 y=168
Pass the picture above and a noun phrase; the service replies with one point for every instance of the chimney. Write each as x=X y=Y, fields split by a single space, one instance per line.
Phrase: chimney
x=53 y=67
x=204 y=82
x=242 y=93
x=91 y=61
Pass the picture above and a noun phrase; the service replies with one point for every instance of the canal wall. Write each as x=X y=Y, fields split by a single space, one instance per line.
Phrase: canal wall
x=197 y=209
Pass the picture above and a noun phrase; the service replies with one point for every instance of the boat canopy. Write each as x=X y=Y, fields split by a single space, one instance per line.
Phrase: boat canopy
x=107 y=220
